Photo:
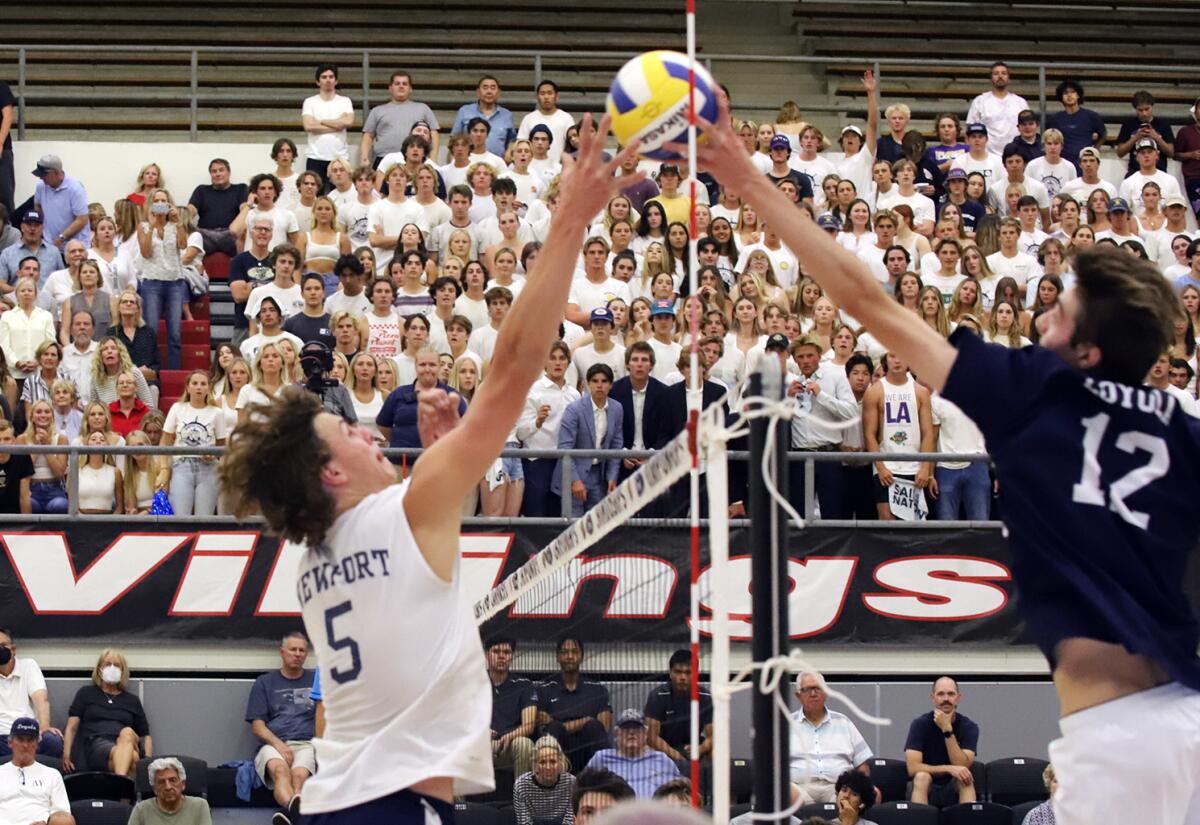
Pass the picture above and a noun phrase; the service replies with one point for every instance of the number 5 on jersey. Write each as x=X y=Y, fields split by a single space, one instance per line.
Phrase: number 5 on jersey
x=1088 y=490
x=342 y=676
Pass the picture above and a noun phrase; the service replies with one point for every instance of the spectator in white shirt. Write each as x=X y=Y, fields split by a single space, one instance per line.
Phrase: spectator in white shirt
x=997 y=109
x=326 y=116
x=980 y=158
x=386 y=218
x=1014 y=166
x=483 y=339
x=824 y=743
x=1146 y=152
x=596 y=288
x=30 y=791
x=1010 y=261
x=827 y=407
x=23 y=694
x=264 y=202
x=904 y=192
x=603 y=349
x=549 y=115
x=1051 y=170
x=537 y=429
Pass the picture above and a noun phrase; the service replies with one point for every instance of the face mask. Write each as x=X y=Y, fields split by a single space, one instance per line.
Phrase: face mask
x=5 y=656
x=111 y=674
x=160 y=208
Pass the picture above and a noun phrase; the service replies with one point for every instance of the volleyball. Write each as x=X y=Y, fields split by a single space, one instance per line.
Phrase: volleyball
x=648 y=101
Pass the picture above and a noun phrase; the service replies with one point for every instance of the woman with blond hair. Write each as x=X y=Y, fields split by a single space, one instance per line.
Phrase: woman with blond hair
x=46 y=491
x=194 y=421
x=38 y=385
x=162 y=238
x=931 y=310
x=268 y=381
x=110 y=360
x=89 y=296
x=130 y=328
x=363 y=383
x=150 y=177
x=544 y=794
x=323 y=243
x=101 y=490
x=24 y=328
x=138 y=480
x=108 y=720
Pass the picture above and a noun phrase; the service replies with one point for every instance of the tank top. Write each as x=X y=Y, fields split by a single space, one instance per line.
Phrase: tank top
x=163 y=263
x=385 y=335
x=901 y=428
x=323 y=252
x=96 y=487
x=403 y=675
x=100 y=307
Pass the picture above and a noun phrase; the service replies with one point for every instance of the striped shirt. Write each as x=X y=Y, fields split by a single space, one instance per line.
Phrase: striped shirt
x=534 y=803
x=825 y=750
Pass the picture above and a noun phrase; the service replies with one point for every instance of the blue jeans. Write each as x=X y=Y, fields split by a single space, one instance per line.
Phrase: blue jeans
x=194 y=485
x=165 y=299
x=47 y=497
x=969 y=489
x=51 y=744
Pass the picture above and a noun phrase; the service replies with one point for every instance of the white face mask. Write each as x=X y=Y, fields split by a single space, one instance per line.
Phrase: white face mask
x=111 y=674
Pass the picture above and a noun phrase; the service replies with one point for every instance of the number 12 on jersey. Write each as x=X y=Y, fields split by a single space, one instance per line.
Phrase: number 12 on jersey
x=1088 y=489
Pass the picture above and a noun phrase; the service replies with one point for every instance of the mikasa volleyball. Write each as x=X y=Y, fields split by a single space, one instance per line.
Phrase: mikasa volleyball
x=648 y=101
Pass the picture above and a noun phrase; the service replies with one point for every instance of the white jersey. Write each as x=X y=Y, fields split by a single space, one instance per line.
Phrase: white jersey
x=403 y=674
x=901 y=425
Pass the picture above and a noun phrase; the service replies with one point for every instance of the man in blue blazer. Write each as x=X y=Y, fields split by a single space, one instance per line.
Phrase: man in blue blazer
x=594 y=422
x=652 y=420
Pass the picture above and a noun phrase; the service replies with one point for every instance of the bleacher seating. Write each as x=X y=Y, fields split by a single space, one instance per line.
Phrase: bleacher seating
x=891 y=777
x=976 y=813
x=824 y=810
x=100 y=785
x=100 y=812
x=1016 y=780
x=904 y=813
x=1019 y=812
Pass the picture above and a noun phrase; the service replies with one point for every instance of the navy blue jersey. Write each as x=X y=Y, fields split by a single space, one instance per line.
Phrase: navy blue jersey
x=1099 y=483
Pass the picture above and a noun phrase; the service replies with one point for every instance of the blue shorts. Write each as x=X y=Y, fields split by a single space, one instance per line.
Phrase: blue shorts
x=401 y=808
x=512 y=466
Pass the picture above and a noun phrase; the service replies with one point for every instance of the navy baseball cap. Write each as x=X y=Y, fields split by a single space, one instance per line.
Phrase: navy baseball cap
x=669 y=169
x=1118 y=205
x=631 y=718
x=602 y=314
x=956 y=174
x=24 y=726
x=542 y=128
x=662 y=308
x=32 y=216
x=828 y=222
x=777 y=341
x=781 y=142
x=976 y=129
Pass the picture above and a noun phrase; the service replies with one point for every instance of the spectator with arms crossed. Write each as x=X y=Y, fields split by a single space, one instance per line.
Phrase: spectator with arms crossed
x=514 y=709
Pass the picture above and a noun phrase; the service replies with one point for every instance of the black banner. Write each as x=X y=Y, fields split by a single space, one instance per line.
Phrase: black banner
x=861 y=587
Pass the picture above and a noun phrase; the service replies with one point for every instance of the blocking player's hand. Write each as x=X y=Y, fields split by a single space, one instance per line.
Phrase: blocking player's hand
x=437 y=414
x=588 y=183
x=721 y=152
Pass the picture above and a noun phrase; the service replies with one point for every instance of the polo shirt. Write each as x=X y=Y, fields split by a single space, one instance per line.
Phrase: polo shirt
x=16 y=691
x=503 y=130
x=827 y=750
x=509 y=698
x=642 y=773
x=31 y=793
x=48 y=257
x=674 y=713
x=926 y=737
x=588 y=699
x=61 y=206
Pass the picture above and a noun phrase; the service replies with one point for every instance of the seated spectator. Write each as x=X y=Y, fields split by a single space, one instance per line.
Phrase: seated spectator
x=110 y=361
x=23 y=693
x=101 y=491
x=30 y=791
x=669 y=712
x=677 y=792
x=576 y=712
x=597 y=790
x=825 y=744
x=38 y=384
x=128 y=410
x=215 y=206
x=87 y=295
x=141 y=472
x=78 y=352
x=940 y=750
x=45 y=487
x=543 y=796
x=194 y=421
x=640 y=766
x=24 y=328
x=170 y=805
x=1044 y=814
x=108 y=721
x=514 y=709
x=855 y=796
x=280 y=712
x=130 y=328
x=14 y=470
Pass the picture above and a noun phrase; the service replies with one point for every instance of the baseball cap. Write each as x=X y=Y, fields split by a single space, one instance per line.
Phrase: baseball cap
x=1144 y=143
x=32 y=216
x=662 y=308
x=24 y=726
x=1118 y=205
x=1026 y=116
x=668 y=169
x=777 y=341
x=602 y=314
x=781 y=142
x=631 y=717
x=956 y=173
x=852 y=128
x=543 y=129
x=1175 y=200
x=48 y=163
x=828 y=222
x=1089 y=152
x=976 y=129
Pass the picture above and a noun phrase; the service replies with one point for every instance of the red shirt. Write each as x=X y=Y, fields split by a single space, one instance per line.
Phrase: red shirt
x=125 y=423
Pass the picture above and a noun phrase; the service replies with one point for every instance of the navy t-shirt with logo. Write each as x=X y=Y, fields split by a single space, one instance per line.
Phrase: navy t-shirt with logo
x=1099 y=483
x=285 y=705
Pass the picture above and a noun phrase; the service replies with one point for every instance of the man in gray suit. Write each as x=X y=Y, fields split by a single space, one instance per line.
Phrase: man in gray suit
x=591 y=423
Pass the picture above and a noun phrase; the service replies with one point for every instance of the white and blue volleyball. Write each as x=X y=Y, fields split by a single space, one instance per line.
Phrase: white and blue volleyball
x=648 y=101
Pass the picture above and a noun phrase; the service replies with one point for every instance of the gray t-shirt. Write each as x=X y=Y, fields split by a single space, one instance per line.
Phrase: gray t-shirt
x=392 y=122
x=194 y=811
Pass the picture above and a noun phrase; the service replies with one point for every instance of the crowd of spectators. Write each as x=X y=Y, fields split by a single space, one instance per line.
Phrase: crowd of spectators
x=406 y=268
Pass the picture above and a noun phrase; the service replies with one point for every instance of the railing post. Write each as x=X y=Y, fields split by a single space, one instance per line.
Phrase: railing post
x=73 y=484
x=1042 y=93
x=566 y=486
x=810 y=487
x=537 y=70
x=193 y=117
x=366 y=84
x=20 y=94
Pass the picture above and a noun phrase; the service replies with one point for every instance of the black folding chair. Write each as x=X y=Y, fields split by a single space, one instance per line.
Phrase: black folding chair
x=100 y=785
x=976 y=813
x=101 y=812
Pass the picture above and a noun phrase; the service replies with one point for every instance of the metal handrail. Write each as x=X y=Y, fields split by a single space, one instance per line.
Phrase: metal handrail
x=76 y=451
x=537 y=59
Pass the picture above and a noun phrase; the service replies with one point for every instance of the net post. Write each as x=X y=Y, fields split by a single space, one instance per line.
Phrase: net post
x=718 y=601
x=769 y=527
